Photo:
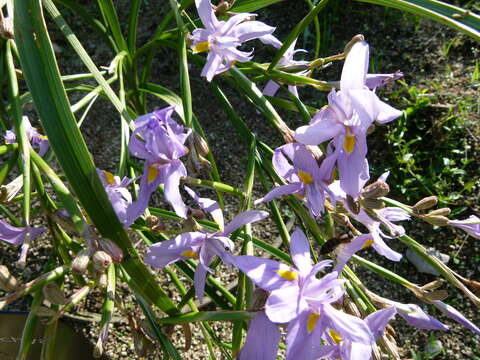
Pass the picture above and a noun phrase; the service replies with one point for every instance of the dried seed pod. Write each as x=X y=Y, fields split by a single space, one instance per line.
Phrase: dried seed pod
x=101 y=260
x=372 y=203
x=425 y=203
x=7 y=281
x=81 y=261
x=437 y=295
x=111 y=249
x=436 y=220
x=440 y=212
x=54 y=294
x=44 y=311
x=376 y=190
x=353 y=205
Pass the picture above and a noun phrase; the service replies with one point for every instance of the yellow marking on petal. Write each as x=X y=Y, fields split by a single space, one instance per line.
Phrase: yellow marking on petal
x=336 y=337
x=324 y=107
x=288 y=274
x=201 y=47
x=109 y=177
x=306 y=177
x=349 y=142
x=312 y=322
x=152 y=173
x=368 y=243
x=42 y=137
x=299 y=196
x=190 y=254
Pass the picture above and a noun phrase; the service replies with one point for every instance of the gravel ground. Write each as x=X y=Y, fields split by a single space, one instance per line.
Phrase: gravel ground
x=398 y=42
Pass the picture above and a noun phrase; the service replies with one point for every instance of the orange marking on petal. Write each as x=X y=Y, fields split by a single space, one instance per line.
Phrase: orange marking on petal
x=190 y=254
x=152 y=173
x=109 y=177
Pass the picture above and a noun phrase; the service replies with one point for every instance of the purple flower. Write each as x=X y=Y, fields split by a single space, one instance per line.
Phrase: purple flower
x=201 y=245
x=118 y=195
x=19 y=236
x=290 y=287
x=36 y=139
x=222 y=38
x=471 y=225
x=287 y=59
x=306 y=178
x=159 y=140
x=262 y=340
x=454 y=314
x=346 y=120
x=388 y=215
x=416 y=317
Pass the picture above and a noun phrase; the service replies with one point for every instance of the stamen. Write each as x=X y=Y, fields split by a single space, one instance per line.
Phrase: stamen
x=368 y=243
x=201 y=47
x=306 y=177
x=152 y=173
x=190 y=254
x=288 y=274
x=336 y=337
x=349 y=142
x=109 y=177
x=312 y=322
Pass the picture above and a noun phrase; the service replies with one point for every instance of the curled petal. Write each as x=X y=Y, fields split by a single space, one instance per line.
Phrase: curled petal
x=208 y=205
x=454 y=314
x=355 y=68
x=172 y=175
x=323 y=127
x=294 y=188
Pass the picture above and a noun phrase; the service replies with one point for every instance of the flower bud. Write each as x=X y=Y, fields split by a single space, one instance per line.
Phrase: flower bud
x=103 y=280
x=426 y=203
x=54 y=294
x=81 y=261
x=200 y=144
x=436 y=220
x=372 y=203
x=151 y=221
x=101 y=261
x=7 y=281
x=440 y=212
x=111 y=249
x=9 y=191
x=437 y=295
x=376 y=190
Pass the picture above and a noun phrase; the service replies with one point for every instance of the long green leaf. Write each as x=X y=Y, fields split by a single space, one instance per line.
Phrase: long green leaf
x=252 y=5
x=460 y=19
x=207 y=316
x=43 y=79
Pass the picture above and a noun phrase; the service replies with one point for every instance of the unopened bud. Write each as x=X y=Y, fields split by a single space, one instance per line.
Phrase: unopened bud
x=7 y=281
x=372 y=203
x=436 y=220
x=372 y=214
x=54 y=294
x=151 y=221
x=9 y=191
x=159 y=227
x=340 y=219
x=111 y=249
x=376 y=190
x=81 y=261
x=101 y=261
x=103 y=280
x=200 y=144
x=371 y=129
x=440 y=212
x=426 y=203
